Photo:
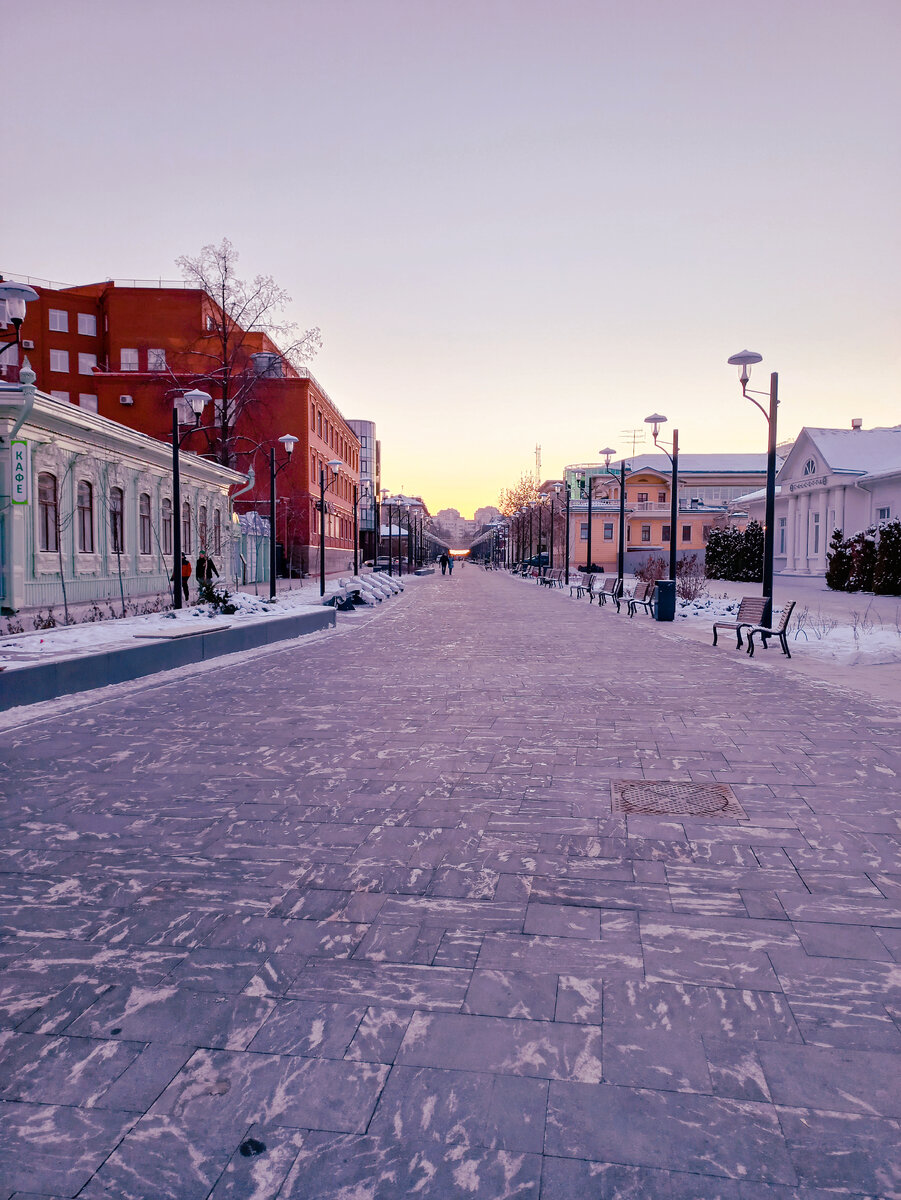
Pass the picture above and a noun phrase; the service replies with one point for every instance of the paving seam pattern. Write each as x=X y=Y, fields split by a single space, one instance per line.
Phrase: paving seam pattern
x=357 y=919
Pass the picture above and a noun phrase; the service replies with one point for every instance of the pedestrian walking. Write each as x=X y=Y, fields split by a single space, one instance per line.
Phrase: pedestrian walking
x=444 y=560
x=185 y=574
x=206 y=569
x=450 y=564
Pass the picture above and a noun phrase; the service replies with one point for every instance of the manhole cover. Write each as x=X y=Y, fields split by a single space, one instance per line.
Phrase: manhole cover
x=675 y=799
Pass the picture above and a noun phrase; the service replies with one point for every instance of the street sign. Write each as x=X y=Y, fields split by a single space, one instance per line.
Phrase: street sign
x=21 y=471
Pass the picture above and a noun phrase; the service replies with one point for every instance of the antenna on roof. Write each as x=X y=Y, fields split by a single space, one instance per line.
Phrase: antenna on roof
x=538 y=462
x=635 y=436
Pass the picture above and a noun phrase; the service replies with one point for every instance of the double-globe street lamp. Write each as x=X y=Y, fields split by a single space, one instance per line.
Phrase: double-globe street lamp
x=333 y=465
x=746 y=359
x=666 y=597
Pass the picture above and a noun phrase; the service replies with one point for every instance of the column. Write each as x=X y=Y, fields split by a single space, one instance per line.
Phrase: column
x=803 y=533
x=791 y=539
x=825 y=531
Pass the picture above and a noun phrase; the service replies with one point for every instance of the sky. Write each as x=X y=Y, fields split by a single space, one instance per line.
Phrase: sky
x=516 y=222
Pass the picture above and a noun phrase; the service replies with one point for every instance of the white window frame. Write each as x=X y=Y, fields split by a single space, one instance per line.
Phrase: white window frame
x=59 y=361
x=126 y=362
x=156 y=359
x=884 y=513
x=87 y=401
x=86 y=363
x=87 y=324
x=58 y=320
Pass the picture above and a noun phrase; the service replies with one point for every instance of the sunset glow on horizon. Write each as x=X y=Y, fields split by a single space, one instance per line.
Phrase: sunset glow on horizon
x=517 y=223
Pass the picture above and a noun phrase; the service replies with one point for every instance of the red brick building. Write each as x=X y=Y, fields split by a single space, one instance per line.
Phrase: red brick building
x=128 y=351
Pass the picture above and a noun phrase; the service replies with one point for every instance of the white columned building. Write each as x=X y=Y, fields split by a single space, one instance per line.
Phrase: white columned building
x=844 y=479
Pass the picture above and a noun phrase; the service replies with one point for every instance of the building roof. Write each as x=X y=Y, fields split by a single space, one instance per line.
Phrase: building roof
x=862 y=451
x=707 y=464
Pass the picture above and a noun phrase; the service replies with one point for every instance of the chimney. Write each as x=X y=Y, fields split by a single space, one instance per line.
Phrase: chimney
x=857 y=422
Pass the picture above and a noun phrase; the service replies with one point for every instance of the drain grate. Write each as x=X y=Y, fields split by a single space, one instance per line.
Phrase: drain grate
x=675 y=799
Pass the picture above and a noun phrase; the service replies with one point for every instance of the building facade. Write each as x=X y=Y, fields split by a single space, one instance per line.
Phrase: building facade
x=86 y=506
x=844 y=479
x=129 y=349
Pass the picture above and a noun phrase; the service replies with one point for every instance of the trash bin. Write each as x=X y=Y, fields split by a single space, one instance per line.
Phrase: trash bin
x=665 y=600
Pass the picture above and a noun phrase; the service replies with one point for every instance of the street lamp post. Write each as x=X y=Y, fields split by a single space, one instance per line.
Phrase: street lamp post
x=197 y=400
x=554 y=496
x=540 y=508
x=588 y=545
x=566 y=549
x=608 y=453
x=356 y=532
x=745 y=359
x=656 y=419
x=289 y=442
x=333 y=465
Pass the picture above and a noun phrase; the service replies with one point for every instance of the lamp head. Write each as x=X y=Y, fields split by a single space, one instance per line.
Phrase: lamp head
x=558 y=488
x=197 y=399
x=745 y=359
x=335 y=463
x=608 y=453
x=289 y=441
x=655 y=419
x=14 y=296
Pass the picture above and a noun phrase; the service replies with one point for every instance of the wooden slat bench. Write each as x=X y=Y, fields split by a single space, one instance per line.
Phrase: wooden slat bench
x=642 y=596
x=750 y=612
x=610 y=589
x=553 y=577
x=580 y=585
x=778 y=630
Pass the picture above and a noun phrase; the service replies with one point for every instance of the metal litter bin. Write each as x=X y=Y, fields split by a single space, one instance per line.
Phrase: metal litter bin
x=665 y=600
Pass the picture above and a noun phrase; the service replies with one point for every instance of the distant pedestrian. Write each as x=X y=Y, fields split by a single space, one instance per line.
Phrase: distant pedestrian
x=450 y=564
x=445 y=561
x=185 y=574
x=206 y=569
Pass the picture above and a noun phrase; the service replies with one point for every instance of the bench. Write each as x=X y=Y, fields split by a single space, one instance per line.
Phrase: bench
x=778 y=630
x=642 y=596
x=554 y=577
x=750 y=612
x=610 y=589
x=581 y=585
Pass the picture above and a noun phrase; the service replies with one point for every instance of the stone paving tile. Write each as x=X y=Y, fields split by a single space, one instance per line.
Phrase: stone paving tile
x=390 y=936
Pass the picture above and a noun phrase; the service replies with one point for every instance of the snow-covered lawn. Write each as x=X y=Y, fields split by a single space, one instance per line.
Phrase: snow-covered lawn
x=855 y=638
x=23 y=649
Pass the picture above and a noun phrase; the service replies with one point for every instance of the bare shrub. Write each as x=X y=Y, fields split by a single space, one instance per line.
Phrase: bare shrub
x=691 y=580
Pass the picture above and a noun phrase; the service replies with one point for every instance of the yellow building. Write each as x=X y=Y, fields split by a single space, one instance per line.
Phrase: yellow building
x=707 y=483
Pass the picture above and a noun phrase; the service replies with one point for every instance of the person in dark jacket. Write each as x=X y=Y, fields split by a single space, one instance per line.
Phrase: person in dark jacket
x=444 y=560
x=206 y=569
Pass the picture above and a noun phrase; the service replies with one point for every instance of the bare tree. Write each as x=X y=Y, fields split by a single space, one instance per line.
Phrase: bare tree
x=241 y=311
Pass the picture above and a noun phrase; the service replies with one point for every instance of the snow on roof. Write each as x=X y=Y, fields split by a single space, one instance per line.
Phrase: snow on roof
x=866 y=451
x=719 y=464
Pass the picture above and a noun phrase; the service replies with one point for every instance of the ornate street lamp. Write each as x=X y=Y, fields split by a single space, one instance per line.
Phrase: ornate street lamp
x=745 y=359
x=666 y=611
x=608 y=453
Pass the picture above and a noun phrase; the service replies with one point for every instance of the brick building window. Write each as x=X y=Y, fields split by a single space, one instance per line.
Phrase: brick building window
x=87 y=324
x=59 y=360
x=128 y=360
x=186 y=528
x=608 y=531
x=661 y=497
x=686 y=533
x=86 y=364
x=156 y=360
x=58 y=320
x=642 y=497
x=645 y=533
x=665 y=533
x=87 y=401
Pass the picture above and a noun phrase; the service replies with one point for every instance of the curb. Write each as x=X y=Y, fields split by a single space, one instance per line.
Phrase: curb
x=47 y=681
